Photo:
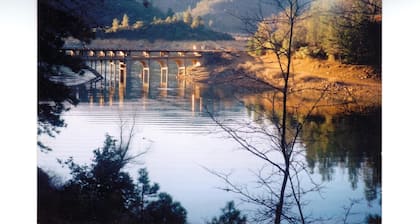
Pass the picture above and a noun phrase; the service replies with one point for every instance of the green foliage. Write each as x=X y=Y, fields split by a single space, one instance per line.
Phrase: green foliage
x=145 y=192
x=230 y=215
x=99 y=192
x=348 y=30
x=171 y=28
x=55 y=24
x=165 y=211
x=103 y=193
x=168 y=29
x=313 y=52
x=134 y=9
x=356 y=34
x=254 y=47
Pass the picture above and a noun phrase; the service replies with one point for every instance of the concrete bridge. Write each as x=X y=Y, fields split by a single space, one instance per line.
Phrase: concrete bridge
x=114 y=61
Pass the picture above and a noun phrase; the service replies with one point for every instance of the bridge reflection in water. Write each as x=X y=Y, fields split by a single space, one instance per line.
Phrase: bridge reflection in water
x=127 y=80
x=114 y=64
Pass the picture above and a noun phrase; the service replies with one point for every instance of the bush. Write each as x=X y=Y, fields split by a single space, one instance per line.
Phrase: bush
x=230 y=215
x=313 y=52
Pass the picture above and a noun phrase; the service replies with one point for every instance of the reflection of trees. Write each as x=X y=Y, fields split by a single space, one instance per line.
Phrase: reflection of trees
x=350 y=141
x=347 y=141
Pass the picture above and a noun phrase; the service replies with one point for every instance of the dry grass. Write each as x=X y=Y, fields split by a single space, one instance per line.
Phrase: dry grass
x=333 y=87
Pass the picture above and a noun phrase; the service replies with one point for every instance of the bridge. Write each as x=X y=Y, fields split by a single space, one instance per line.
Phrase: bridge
x=115 y=61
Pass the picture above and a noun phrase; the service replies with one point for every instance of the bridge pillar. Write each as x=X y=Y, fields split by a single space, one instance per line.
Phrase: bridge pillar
x=146 y=79
x=101 y=68
x=122 y=74
x=145 y=75
x=182 y=70
x=164 y=76
x=105 y=83
x=163 y=73
x=121 y=94
x=111 y=96
x=182 y=83
x=115 y=73
x=182 y=66
x=112 y=73
x=196 y=99
x=101 y=97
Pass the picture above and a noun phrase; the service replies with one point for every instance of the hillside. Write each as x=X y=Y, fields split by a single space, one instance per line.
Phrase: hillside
x=175 y=5
x=143 y=21
x=104 y=12
x=220 y=15
x=345 y=88
x=164 y=31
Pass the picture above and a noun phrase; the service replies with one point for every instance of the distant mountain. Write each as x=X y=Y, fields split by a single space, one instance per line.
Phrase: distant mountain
x=106 y=10
x=221 y=15
x=152 y=23
x=175 y=5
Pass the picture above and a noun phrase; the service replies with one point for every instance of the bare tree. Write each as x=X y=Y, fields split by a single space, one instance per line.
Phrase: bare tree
x=281 y=199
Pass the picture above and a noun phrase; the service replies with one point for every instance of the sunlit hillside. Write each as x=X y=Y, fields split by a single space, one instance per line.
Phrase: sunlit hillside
x=221 y=15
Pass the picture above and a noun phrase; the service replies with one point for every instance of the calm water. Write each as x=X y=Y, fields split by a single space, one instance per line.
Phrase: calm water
x=342 y=153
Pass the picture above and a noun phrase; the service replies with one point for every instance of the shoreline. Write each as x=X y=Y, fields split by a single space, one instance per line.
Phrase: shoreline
x=335 y=88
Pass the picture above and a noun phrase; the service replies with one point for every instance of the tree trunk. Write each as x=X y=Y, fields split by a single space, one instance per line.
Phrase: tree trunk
x=279 y=207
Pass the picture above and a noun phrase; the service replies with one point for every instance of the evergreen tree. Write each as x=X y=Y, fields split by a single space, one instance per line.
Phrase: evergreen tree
x=230 y=215
x=125 y=22
x=115 y=25
x=355 y=32
x=197 y=21
x=55 y=23
x=138 y=25
x=187 y=17
x=102 y=192
x=145 y=192
x=165 y=211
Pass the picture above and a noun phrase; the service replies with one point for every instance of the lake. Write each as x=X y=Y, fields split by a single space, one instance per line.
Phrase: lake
x=341 y=152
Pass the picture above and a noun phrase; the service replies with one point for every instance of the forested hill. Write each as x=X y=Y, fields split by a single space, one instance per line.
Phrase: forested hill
x=175 y=5
x=105 y=11
x=220 y=15
x=138 y=19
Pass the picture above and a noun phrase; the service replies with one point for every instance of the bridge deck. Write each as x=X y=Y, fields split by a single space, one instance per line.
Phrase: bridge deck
x=153 y=50
x=140 y=58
